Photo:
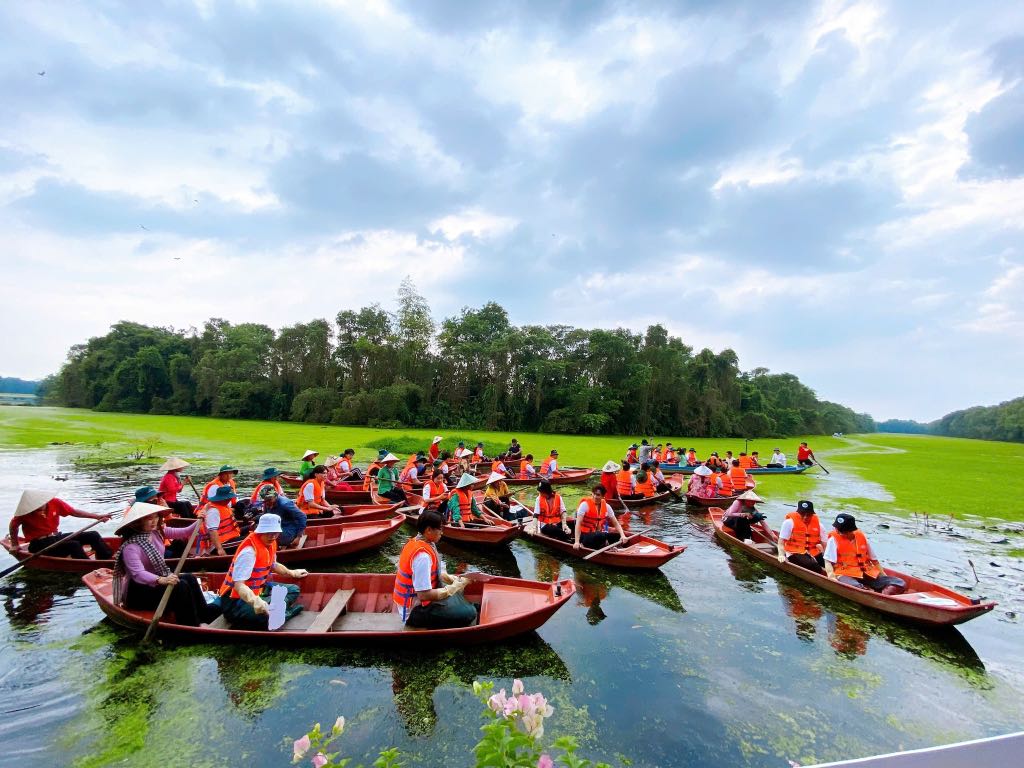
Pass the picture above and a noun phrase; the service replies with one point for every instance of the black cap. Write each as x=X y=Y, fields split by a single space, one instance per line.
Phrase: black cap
x=544 y=486
x=805 y=506
x=845 y=523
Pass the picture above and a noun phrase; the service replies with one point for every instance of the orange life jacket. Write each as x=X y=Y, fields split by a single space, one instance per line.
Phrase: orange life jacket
x=739 y=478
x=545 y=468
x=206 y=488
x=550 y=510
x=437 y=489
x=227 y=530
x=344 y=466
x=746 y=462
x=404 y=477
x=646 y=487
x=691 y=457
x=478 y=453
x=658 y=456
x=852 y=556
x=263 y=484
x=265 y=557
x=404 y=592
x=595 y=518
x=671 y=457
x=624 y=482
x=367 y=477
x=464 y=498
x=806 y=538
x=318 y=495
x=526 y=470
x=726 y=489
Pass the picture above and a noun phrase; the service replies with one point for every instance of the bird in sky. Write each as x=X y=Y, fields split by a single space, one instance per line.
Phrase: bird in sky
x=41 y=73
x=144 y=227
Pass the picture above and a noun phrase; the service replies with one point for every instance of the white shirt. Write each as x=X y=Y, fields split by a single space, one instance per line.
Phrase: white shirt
x=460 y=452
x=584 y=507
x=426 y=492
x=552 y=467
x=344 y=466
x=411 y=474
x=212 y=516
x=530 y=471
x=498 y=466
x=245 y=561
x=421 y=580
x=307 y=492
x=832 y=551
x=778 y=458
x=561 y=506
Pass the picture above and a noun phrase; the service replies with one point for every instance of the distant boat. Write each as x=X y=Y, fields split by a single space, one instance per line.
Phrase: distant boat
x=980 y=753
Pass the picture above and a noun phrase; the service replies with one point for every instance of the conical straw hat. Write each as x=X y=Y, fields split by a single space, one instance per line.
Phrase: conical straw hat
x=309 y=453
x=495 y=477
x=467 y=480
x=610 y=466
x=30 y=501
x=750 y=496
x=138 y=511
x=173 y=463
x=703 y=471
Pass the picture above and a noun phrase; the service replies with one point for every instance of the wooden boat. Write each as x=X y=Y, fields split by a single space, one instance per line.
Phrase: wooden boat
x=924 y=602
x=496 y=534
x=568 y=477
x=995 y=750
x=642 y=553
x=684 y=469
x=351 y=513
x=324 y=542
x=357 y=607
x=645 y=502
x=715 y=501
x=358 y=496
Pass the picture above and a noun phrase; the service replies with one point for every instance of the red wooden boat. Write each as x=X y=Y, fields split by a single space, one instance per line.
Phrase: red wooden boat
x=498 y=533
x=358 y=496
x=568 y=477
x=357 y=607
x=321 y=543
x=643 y=552
x=644 y=502
x=350 y=513
x=924 y=602
x=715 y=501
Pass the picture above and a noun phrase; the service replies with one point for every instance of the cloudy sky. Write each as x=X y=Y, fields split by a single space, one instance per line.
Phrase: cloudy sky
x=834 y=189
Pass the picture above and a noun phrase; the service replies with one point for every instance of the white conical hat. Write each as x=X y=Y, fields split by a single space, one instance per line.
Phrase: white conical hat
x=136 y=512
x=387 y=458
x=331 y=461
x=437 y=439
x=309 y=453
x=495 y=477
x=750 y=496
x=703 y=471
x=611 y=466
x=30 y=501
x=173 y=463
x=466 y=480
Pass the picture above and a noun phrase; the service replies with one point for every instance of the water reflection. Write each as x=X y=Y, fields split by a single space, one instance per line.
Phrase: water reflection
x=30 y=601
x=805 y=612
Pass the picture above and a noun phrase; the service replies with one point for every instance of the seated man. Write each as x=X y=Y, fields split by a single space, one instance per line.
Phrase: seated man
x=312 y=495
x=526 y=469
x=755 y=460
x=248 y=581
x=850 y=560
x=419 y=597
x=38 y=515
x=741 y=514
x=293 y=519
x=551 y=513
x=218 y=527
x=592 y=518
x=388 y=479
x=778 y=459
x=800 y=539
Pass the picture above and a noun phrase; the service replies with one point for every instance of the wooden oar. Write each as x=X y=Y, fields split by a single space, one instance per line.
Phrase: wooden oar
x=621 y=542
x=166 y=596
x=199 y=498
x=46 y=549
x=821 y=465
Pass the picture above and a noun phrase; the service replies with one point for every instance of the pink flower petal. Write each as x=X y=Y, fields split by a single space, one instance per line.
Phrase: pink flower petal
x=301 y=746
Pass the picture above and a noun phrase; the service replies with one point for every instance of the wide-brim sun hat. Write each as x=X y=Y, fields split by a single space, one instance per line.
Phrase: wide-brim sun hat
x=268 y=523
x=145 y=493
x=749 y=496
x=310 y=453
x=610 y=466
x=172 y=464
x=331 y=461
x=467 y=480
x=223 y=493
x=271 y=472
x=30 y=501
x=495 y=477
x=388 y=458
x=703 y=471
x=227 y=468
x=437 y=439
x=137 y=512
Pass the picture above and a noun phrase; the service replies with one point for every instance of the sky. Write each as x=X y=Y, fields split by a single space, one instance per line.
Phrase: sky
x=833 y=189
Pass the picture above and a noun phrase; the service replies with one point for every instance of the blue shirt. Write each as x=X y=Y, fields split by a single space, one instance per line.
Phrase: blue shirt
x=293 y=519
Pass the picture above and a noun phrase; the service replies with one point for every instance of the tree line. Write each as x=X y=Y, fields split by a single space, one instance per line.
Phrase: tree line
x=475 y=370
x=994 y=422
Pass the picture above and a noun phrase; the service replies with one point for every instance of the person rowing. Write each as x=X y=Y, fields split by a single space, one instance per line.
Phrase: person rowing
x=702 y=484
x=226 y=476
x=631 y=455
x=388 y=478
x=608 y=479
x=293 y=519
x=742 y=514
x=308 y=462
x=804 y=456
x=462 y=506
x=434 y=451
x=249 y=579
x=551 y=514
x=591 y=525
x=800 y=539
x=217 y=525
x=38 y=516
x=425 y=596
x=658 y=478
x=312 y=495
x=644 y=452
x=550 y=466
x=498 y=499
x=269 y=480
x=171 y=485
x=850 y=560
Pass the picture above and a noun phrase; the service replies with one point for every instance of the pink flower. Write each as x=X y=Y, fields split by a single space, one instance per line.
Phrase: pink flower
x=497 y=702
x=320 y=760
x=517 y=687
x=545 y=761
x=300 y=747
x=339 y=724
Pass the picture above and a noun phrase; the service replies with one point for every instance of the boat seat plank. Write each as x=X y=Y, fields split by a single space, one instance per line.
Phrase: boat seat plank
x=219 y=623
x=331 y=611
x=302 y=541
x=300 y=622
x=766 y=547
x=321 y=537
x=369 y=622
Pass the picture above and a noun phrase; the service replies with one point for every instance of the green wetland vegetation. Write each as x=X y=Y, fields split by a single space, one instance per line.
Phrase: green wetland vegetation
x=714 y=661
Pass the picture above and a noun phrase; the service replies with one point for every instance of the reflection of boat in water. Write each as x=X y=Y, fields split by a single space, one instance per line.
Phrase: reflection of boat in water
x=805 y=611
x=997 y=750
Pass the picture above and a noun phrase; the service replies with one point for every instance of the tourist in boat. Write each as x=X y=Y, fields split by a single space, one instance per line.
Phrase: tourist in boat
x=658 y=478
x=332 y=477
x=724 y=482
x=739 y=478
x=412 y=474
x=218 y=527
x=716 y=463
x=373 y=469
x=462 y=452
x=800 y=539
x=226 y=476
x=551 y=514
x=141 y=575
x=420 y=597
x=804 y=456
x=549 y=468
x=497 y=465
x=728 y=460
x=498 y=499
x=346 y=468
x=701 y=483
x=38 y=516
x=691 y=458
x=435 y=490
x=745 y=461
x=631 y=455
x=742 y=514
x=658 y=453
x=778 y=459
x=293 y=519
x=755 y=460
x=171 y=485
x=592 y=522
x=387 y=479
x=415 y=458
x=247 y=584
x=269 y=479
x=462 y=506
x=312 y=495
x=526 y=470
x=850 y=560
x=514 y=452
x=670 y=456
x=644 y=452
x=625 y=483
x=608 y=480
x=308 y=462
x=434 y=451
x=478 y=453
x=644 y=485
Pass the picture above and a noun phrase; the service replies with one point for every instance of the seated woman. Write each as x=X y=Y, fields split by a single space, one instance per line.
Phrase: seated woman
x=498 y=499
x=741 y=514
x=592 y=518
x=419 y=597
x=387 y=479
x=248 y=580
x=701 y=484
x=141 y=574
x=435 y=492
x=462 y=506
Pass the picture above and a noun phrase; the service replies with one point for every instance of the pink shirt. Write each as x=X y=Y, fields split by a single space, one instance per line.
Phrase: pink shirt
x=137 y=564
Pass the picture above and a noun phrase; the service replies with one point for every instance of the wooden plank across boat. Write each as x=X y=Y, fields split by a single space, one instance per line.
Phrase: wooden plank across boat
x=357 y=607
x=495 y=534
x=642 y=553
x=350 y=513
x=924 y=602
x=567 y=477
x=685 y=469
x=323 y=542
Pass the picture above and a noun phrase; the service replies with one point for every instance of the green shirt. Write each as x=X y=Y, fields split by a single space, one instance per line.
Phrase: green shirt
x=305 y=469
x=456 y=513
x=386 y=479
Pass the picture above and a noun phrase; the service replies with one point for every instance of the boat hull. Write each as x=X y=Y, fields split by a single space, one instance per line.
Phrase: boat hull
x=631 y=557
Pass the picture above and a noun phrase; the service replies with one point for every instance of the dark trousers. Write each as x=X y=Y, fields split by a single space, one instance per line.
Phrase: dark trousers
x=74 y=548
x=182 y=508
x=890 y=585
x=774 y=466
x=662 y=487
x=186 y=602
x=815 y=563
x=175 y=548
x=395 y=494
x=738 y=525
x=241 y=615
x=554 y=530
x=598 y=539
x=805 y=463
x=451 y=612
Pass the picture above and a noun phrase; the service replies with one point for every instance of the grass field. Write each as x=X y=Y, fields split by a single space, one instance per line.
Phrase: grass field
x=879 y=472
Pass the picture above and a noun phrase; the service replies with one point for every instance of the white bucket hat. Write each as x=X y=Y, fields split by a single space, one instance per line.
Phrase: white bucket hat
x=309 y=454
x=750 y=496
x=387 y=458
x=268 y=523
x=703 y=471
x=437 y=439
x=136 y=512
x=173 y=463
x=30 y=501
x=495 y=477
x=610 y=466
x=467 y=480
